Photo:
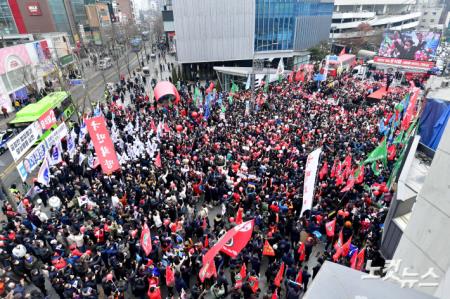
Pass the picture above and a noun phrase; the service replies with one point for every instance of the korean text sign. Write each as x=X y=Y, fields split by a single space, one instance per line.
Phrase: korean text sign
x=103 y=145
x=32 y=160
x=47 y=120
x=21 y=143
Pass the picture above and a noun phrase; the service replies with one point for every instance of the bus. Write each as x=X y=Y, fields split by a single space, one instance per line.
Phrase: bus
x=59 y=101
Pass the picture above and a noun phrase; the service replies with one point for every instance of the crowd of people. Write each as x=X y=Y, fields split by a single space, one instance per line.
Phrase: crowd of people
x=186 y=171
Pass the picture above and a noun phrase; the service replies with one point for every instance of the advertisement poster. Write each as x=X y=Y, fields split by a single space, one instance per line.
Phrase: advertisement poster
x=410 y=45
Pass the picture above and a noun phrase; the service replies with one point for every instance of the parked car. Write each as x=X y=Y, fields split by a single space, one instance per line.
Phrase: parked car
x=105 y=63
x=146 y=71
x=5 y=136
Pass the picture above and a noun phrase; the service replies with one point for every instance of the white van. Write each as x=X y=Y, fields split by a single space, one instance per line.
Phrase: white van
x=105 y=63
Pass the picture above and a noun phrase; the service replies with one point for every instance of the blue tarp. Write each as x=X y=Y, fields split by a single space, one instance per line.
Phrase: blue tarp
x=433 y=122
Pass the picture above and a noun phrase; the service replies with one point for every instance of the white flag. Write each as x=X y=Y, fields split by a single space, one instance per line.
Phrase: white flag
x=44 y=173
x=280 y=69
x=55 y=155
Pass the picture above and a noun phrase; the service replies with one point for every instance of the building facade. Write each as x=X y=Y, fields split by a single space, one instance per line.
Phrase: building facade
x=235 y=32
x=356 y=19
x=7 y=23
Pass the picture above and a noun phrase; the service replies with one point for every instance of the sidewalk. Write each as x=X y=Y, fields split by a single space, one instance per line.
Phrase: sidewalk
x=4 y=121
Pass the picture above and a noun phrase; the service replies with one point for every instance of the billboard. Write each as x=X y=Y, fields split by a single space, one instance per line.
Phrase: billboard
x=410 y=45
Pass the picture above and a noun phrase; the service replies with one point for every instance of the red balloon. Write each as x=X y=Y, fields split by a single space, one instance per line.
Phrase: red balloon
x=194 y=114
x=324 y=185
x=166 y=222
x=231 y=219
x=376 y=192
x=26 y=201
x=179 y=128
x=195 y=158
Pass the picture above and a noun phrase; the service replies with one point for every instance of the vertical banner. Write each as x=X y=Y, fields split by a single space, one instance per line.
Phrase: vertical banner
x=103 y=145
x=310 y=179
x=47 y=120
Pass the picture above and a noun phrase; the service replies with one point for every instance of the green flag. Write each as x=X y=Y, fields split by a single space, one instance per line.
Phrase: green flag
x=197 y=95
x=230 y=100
x=399 y=138
x=234 y=87
x=376 y=171
x=224 y=109
x=380 y=153
x=266 y=87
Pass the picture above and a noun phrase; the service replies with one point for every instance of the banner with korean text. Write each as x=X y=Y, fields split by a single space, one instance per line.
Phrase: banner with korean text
x=47 y=120
x=34 y=157
x=310 y=179
x=103 y=145
x=23 y=141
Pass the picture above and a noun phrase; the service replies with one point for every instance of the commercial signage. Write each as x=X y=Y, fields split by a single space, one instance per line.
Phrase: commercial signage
x=405 y=63
x=33 y=8
x=47 y=120
x=24 y=140
x=103 y=145
x=65 y=60
x=32 y=160
x=310 y=179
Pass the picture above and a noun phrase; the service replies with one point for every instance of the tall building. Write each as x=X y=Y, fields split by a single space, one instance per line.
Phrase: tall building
x=433 y=14
x=41 y=16
x=7 y=23
x=356 y=19
x=126 y=10
x=234 y=32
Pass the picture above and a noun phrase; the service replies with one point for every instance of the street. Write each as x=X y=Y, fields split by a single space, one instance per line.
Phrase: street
x=95 y=88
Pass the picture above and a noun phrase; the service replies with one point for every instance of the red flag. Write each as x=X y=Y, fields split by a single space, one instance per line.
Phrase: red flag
x=232 y=242
x=346 y=246
x=206 y=243
x=299 y=277
x=158 y=160
x=254 y=283
x=353 y=259
x=391 y=152
x=298 y=75
x=275 y=294
x=241 y=276
x=348 y=166
x=410 y=110
x=360 y=259
x=333 y=169
x=350 y=183
x=360 y=178
x=342 y=51
x=170 y=276
x=339 y=242
x=323 y=171
x=339 y=179
x=279 y=276
x=268 y=250
x=291 y=77
x=207 y=271
x=337 y=255
x=302 y=76
x=146 y=239
x=239 y=214
x=153 y=127
x=330 y=226
x=302 y=252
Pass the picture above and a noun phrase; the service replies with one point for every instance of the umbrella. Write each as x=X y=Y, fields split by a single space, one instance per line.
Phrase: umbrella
x=54 y=202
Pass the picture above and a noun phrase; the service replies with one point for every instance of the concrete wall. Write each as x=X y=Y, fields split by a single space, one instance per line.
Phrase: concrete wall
x=426 y=241
x=37 y=24
x=214 y=30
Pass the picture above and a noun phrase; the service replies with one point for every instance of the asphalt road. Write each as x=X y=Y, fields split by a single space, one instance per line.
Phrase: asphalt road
x=95 y=87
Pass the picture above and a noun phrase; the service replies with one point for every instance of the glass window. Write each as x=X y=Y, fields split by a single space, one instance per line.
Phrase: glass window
x=7 y=24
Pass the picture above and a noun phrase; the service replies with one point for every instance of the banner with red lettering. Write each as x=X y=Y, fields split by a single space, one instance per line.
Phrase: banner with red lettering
x=103 y=145
x=310 y=179
x=232 y=242
x=47 y=120
x=404 y=62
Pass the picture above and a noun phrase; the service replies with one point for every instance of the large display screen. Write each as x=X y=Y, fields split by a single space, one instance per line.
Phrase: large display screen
x=410 y=45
